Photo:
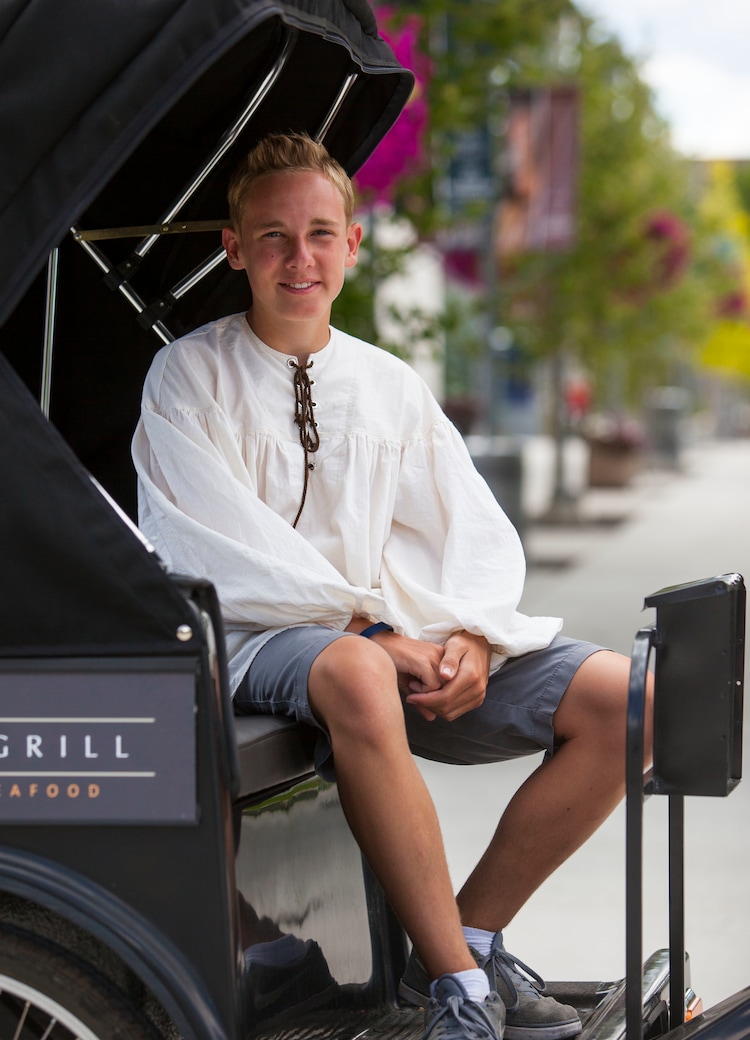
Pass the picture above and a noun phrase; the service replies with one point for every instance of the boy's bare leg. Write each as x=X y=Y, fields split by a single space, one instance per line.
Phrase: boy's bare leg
x=353 y=690
x=564 y=801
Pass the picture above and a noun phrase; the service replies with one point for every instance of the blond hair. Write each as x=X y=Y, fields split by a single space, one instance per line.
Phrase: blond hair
x=277 y=153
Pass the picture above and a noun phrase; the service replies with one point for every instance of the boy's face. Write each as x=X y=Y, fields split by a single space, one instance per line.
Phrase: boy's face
x=294 y=245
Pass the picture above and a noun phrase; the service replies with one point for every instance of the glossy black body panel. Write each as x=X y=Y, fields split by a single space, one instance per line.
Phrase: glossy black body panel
x=301 y=880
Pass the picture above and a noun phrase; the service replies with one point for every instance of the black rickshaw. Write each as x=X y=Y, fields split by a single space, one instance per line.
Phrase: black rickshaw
x=149 y=840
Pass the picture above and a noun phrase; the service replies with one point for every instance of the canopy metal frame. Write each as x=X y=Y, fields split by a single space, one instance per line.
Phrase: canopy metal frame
x=151 y=315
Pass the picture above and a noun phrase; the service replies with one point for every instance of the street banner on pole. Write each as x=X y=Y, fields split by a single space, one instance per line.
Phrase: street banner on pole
x=537 y=211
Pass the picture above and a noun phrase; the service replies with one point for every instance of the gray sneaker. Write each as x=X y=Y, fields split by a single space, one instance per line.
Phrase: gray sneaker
x=530 y=1014
x=450 y=1015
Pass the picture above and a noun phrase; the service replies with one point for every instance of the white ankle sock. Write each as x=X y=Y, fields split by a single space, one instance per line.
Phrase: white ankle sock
x=479 y=939
x=474 y=981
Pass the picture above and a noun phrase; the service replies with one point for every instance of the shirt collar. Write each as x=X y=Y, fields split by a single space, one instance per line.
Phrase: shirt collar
x=320 y=357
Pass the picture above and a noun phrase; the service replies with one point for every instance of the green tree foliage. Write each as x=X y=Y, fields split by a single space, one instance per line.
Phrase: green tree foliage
x=473 y=51
x=629 y=297
x=727 y=224
x=467 y=52
x=621 y=301
x=742 y=180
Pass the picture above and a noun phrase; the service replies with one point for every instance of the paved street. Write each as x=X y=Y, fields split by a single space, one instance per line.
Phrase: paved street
x=667 y=529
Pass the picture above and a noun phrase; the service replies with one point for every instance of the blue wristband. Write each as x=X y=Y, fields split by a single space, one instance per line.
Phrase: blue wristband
x=379 y=626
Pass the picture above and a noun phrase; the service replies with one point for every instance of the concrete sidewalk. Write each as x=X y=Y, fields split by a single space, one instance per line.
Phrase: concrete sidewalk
x=667 y=529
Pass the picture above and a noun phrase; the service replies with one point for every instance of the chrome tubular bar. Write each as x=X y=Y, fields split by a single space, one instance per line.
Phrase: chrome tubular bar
x=644 y=642
x=347 y=85
x=226 y=141
x=123 y=287
x=150 y=317
x=197 y=274
x=132 y=527
x=50 y=313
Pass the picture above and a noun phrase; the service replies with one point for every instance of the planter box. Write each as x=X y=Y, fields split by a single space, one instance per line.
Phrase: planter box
x=612 y=465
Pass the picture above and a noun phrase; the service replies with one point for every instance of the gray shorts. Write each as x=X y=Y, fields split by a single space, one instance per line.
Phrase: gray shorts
x=514 y=720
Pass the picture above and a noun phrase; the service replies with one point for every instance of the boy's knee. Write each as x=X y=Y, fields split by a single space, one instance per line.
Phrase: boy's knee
x=353 y=684
x=596 y=701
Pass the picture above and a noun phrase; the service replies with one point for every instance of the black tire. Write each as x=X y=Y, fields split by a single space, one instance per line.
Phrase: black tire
x=47 y=993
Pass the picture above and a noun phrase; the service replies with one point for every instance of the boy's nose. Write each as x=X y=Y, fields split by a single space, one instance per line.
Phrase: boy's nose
x=299 y=253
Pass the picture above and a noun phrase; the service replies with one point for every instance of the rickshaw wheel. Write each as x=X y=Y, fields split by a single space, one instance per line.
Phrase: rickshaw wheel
x=46 y=993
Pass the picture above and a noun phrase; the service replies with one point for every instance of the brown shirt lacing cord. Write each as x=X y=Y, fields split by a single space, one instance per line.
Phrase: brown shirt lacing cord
x=304 y=418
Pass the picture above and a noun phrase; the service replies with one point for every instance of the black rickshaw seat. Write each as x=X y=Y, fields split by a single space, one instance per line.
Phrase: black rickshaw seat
x=274 y=752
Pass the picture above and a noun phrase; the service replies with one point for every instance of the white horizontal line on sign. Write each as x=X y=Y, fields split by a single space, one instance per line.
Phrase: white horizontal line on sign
x=73 y=719
x=76 y=773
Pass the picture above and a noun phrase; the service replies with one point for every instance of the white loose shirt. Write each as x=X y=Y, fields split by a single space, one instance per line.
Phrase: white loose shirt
x=398 y=526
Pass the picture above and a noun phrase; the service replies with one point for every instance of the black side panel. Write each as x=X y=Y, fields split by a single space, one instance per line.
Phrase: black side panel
x=76 y=580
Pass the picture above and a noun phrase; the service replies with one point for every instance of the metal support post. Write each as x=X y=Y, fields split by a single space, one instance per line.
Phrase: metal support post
x=676 y=910
x=50 y=315
x=644 y=641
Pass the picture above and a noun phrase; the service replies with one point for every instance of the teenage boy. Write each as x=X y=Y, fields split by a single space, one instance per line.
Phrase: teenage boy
x=314 y=479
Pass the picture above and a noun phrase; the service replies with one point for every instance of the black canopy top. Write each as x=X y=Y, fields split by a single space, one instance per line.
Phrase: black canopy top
x=108 y=110
x=82 y=85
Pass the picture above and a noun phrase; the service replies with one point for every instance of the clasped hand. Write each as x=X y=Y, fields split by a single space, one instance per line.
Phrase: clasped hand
x=442 y=681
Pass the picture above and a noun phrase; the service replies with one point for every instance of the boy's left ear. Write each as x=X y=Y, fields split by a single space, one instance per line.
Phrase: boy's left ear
x=353 y=238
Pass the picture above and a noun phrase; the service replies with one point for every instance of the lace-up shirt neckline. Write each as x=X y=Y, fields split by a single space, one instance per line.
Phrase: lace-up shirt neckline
x=304 y=418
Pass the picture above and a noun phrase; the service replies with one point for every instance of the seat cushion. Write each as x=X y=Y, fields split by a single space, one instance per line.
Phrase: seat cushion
x=273 y=752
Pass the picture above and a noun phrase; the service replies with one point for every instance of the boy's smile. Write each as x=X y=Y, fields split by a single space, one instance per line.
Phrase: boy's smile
x=294 y=245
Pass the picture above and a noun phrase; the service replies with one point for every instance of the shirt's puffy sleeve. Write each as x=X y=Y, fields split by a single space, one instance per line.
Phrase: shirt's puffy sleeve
x=199 y=509
x=453 y=560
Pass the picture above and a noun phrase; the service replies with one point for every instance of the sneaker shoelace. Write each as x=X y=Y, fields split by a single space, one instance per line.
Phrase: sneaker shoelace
x=468 y=1019
x=509 y=968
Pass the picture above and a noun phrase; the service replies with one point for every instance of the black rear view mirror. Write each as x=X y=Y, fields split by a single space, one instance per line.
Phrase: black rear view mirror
x=699 y=648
